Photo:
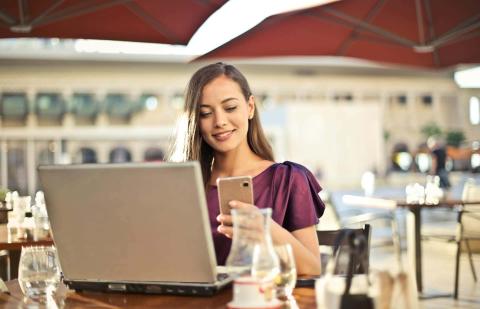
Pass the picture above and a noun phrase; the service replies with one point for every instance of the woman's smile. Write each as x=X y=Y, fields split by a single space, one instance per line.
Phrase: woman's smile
x=223 y=136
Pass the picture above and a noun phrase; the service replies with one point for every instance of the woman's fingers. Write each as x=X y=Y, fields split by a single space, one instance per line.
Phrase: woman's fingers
x=238 y=205
x=250 y=226
x=225 y=230
x=224 y=219
x=225 y=226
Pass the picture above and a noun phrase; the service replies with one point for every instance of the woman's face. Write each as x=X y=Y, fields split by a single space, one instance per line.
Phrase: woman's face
x=224 y=115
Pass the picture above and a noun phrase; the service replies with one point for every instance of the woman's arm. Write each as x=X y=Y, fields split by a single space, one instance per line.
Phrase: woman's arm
x=304 y=241
x=305 y=247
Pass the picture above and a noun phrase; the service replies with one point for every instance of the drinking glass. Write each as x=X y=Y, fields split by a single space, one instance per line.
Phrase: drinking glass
x=38 y=272
x=286 y=279
x=265 y=264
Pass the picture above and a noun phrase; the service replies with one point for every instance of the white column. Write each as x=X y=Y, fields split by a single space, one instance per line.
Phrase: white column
x=31 y=167
x=438 y=110
x=384 y=109
x=32 y=120
x=136 y=150
x=103 y=149
x=3 y=164
x=357 y=96
x=57 y=154
x=413 y=124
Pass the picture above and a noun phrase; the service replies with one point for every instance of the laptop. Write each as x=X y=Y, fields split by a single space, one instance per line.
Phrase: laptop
x=137 y=227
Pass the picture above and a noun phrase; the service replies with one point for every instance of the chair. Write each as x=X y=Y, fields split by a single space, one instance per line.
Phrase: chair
x=5 y=262
x=468 y=216
x=387 y=214
x=329 y=237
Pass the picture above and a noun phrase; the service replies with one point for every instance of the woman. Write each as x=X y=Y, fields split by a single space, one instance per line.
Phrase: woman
x=225 y=135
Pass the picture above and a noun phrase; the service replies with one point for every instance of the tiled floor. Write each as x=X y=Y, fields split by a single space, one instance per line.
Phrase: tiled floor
x=438 y=274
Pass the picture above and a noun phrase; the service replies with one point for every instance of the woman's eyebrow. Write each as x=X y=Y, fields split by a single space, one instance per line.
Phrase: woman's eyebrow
x=222 y=102
x=228 y=99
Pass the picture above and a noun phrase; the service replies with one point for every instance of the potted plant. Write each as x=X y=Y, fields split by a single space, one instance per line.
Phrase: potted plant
x=455 y=138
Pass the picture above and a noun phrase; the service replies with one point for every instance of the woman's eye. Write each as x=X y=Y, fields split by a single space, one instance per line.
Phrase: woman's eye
x=231 y=108
x=205 y=114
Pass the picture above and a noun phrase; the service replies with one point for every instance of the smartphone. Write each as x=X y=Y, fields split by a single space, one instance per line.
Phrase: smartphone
x=234 y=188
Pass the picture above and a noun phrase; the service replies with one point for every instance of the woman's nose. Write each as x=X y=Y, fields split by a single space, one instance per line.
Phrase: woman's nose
x=220 y=119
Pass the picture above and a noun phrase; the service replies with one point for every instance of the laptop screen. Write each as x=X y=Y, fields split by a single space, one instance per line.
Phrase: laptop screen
x=140 y=222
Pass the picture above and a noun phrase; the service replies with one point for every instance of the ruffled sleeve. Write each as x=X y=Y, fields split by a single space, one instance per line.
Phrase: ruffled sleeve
x=296 y=203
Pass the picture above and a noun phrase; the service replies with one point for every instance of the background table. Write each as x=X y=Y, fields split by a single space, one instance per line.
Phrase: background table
x=18 y=244
x=414 y=237
x=413 y=227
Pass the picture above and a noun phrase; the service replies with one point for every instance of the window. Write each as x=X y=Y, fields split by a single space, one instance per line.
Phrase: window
x=400 y=99
x=86 y=155
x=17 y=167
x=120 y=155
x=84 y=105
x=148 y=102
x=343 y=97
x=177 y=101
x=118 y=106
x=474 y=111
x=49 y=105
x=45 y=152
x=427 y=100
x=14 y=106
x=154 y=154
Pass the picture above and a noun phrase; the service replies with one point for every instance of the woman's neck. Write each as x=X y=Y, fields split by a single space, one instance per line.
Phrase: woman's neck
x=235 y=163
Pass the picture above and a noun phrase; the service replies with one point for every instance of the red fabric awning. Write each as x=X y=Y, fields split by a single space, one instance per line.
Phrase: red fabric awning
x=424 y=33
x=156 y=21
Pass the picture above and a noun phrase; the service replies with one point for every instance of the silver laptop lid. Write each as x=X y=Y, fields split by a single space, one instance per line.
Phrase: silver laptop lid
x=130 y=222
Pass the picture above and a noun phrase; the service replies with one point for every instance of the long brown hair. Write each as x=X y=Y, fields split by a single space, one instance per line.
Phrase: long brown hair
x=195 y=148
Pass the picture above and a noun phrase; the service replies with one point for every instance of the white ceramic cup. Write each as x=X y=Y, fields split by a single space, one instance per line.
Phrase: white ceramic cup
x=247 y=289
x=247 y=293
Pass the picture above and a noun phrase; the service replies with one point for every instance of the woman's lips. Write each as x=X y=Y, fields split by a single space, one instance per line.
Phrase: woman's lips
x=223 y=136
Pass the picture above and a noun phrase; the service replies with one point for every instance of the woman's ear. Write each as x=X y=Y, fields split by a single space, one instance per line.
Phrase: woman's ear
x=251 y=107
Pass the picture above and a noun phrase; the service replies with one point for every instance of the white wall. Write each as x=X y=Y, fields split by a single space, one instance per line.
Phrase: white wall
x=343 y=140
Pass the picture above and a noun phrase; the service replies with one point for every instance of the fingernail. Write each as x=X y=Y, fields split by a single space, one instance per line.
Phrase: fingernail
x=232 y=203
x=220 y=228
x=219 y=218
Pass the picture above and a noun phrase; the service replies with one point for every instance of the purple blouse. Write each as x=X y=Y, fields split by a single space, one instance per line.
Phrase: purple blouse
x=288 y=188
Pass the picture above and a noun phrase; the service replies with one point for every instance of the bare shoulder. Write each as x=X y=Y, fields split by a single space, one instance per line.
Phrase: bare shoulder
x=266 y=163
x=262 y=166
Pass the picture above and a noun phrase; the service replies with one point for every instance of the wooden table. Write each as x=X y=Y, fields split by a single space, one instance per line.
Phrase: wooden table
x=5 y=244
x=305 y=298
x=414 y=224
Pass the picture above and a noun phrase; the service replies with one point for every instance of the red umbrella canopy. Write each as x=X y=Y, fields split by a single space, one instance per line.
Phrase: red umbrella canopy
x=425 y=33
x=156 y=21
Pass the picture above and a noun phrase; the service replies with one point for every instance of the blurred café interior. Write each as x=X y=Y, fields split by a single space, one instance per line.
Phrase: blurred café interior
x=362 y=124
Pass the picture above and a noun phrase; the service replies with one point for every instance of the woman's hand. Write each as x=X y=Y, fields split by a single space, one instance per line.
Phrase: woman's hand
x=304 y=241
x=226 y=223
